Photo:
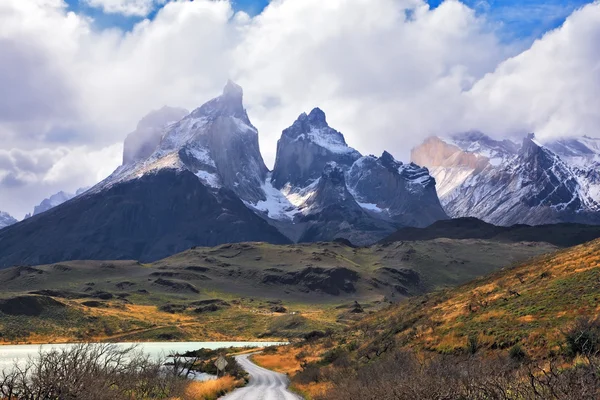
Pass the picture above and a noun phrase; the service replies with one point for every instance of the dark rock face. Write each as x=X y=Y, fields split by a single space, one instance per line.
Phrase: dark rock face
x=403 y=192
x=554 y=183
x=306 y=147
x=332 y=212
x=149 y=218
x=327 y=280
x=142 y=142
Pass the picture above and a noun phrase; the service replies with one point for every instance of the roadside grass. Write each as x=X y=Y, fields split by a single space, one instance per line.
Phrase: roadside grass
x=210 y=390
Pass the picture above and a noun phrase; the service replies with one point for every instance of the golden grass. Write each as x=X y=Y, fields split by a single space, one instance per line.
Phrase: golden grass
x=209 y=390
x=288 y=359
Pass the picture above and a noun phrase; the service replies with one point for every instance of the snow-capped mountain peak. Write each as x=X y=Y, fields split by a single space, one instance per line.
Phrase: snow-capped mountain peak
x=314 y=128
x=216 y=142
x=306 y=147
x=6 y=219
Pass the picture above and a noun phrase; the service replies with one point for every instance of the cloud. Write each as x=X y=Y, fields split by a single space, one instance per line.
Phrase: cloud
x=550 y=89
x=26 y=177
x=387 y=72
x=138 y=8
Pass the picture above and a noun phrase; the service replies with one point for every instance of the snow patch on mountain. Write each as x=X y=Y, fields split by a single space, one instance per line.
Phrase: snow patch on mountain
x=325 y=139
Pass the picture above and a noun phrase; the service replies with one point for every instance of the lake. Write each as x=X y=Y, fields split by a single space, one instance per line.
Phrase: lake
x=9 y=354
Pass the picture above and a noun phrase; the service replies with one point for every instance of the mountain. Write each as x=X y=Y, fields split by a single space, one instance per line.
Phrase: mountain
x=216 y=142
x=187 y=193
x=403 y=193
x=156 y=215
x=328 y=190
x=6 y=220
x=332 y=212
x=503 y=183
x=305 y=148
x=141 y=143
x=201 y=181
x=55 y=200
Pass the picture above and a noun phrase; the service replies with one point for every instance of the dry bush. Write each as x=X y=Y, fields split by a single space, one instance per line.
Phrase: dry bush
x=403 y=376
x=92 y=372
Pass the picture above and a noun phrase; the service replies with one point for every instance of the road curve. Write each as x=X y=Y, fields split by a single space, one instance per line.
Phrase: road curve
x=264 y=384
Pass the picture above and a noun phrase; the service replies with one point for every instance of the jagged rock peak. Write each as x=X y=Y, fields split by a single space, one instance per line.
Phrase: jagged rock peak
x=388 y=161
x=316 y=120
x=306 y=147
x=233 y=90
x=530 y=146
x=6 y=220
x=229 y=104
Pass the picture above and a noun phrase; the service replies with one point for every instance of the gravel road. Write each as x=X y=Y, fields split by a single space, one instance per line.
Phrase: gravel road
x=263 y=385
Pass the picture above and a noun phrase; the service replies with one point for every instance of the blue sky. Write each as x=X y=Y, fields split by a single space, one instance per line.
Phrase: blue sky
x=516 y=19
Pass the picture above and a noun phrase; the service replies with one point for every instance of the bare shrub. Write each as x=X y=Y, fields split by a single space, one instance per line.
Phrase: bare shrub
x=91 y=372
x=403 y=376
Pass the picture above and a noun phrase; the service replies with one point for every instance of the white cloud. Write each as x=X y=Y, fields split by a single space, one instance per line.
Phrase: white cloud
x=550 y=89
x=387 y=72
x=140 y=8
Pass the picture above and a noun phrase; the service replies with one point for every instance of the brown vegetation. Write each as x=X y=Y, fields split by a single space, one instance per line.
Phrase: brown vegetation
x=210 y=390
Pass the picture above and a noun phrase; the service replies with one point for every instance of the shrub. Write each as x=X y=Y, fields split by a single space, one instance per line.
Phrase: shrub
x=472 y=344
x=92 y=372
x=517 y=353
x=583 y=338
x=270 y=350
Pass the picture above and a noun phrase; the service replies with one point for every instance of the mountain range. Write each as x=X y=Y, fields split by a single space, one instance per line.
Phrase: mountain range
x=199 y=179
x=507 y=183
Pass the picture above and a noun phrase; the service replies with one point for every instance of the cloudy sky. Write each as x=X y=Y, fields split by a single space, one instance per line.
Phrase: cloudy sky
x=77 y=75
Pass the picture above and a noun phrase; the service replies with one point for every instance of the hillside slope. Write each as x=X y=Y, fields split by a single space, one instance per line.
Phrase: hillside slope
x=239 y=287
x=531 y=304
x=522 y=333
